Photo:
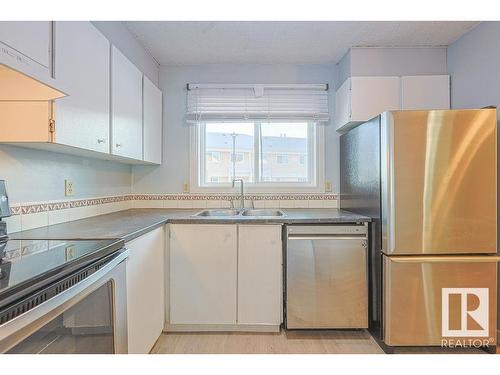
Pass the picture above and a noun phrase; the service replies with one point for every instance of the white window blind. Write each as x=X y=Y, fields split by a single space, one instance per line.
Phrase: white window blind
x=257 y=102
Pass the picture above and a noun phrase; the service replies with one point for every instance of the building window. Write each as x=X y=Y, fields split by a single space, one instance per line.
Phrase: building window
x=213 y=156
x=282 y=159
x=266 y=155
x=237 y=157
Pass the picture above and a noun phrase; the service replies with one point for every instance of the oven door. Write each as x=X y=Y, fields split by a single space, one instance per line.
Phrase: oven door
x=89 y=317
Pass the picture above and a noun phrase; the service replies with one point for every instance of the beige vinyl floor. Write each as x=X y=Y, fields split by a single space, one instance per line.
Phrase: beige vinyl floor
x=285 y=342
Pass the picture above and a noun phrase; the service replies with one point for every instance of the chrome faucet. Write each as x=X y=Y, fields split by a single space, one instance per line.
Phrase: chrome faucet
x=242 y=197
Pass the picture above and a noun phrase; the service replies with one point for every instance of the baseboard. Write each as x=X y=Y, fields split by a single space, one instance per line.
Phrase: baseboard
x=221 y=328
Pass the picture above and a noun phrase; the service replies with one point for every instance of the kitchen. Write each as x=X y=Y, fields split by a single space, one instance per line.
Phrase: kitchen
x=229 y=187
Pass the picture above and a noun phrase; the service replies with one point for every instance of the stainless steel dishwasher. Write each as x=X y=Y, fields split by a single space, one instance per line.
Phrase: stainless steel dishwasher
x=326 y=283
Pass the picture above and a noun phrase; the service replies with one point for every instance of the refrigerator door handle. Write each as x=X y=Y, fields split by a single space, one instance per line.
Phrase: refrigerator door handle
x=445 y=259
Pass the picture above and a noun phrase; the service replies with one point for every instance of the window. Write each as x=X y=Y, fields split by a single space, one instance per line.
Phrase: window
x=213 y=156
x=266 y=155
x=266 y=134
x=282 y=158
x=237 y=157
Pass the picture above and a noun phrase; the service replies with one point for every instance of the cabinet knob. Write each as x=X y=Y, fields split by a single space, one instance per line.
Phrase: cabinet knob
x=118 y=145
x=101 y=140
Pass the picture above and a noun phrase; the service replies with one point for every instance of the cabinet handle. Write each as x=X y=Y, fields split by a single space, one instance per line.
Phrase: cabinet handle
x=118 y=145
x=101 y=140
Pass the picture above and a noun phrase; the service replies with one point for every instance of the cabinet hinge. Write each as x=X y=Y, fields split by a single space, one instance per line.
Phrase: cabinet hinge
x=52 y=126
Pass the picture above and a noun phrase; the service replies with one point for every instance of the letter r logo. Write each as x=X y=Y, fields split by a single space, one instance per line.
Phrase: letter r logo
x=465 y=312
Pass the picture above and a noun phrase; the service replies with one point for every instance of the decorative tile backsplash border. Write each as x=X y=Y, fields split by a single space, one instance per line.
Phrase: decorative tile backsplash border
x=30 y=208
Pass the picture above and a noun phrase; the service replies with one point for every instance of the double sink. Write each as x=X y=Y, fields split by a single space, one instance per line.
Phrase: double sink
x=241 y=212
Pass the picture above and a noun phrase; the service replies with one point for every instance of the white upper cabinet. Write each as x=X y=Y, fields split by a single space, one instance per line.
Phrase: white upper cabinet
x=425 y=92
x=27 y=45
x=82 y=65
x=152 y=122
x=361 y=98
x=126 y=107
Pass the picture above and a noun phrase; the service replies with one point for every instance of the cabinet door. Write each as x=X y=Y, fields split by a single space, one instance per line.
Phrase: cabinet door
x=152 y=107
x=82 y=66
x=371 y=96
x=343 y=104
x=31 y=39
x=145 y=290
x=425 y=92
x=259 y=274
x=126 y=107
x=203 y=266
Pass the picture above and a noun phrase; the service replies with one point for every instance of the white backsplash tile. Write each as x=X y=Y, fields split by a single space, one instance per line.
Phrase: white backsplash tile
x=301 y=203
x=148 y=204
x=36 y=220
x=59 y=216
x=13 y=223
x=286 y=204
x=316 y=204
x=185 y=203
x=214 y=203
x=170 y=203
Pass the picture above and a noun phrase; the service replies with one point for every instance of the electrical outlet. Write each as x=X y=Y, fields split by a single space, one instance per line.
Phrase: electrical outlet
x=69 y=188
x=69 y=253
x=185 y=187
x=328 y=186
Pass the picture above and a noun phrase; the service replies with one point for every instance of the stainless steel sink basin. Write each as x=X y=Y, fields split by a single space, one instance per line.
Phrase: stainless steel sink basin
x=234 y=212
x=218 y=213
x=254 y=212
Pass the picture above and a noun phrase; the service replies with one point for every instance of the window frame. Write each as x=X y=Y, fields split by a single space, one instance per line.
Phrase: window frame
x=316 y=168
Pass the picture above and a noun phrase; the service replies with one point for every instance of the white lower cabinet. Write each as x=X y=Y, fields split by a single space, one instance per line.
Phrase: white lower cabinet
x=145 y=290
x=225 y=277
x=203 y=263
x=259 y=274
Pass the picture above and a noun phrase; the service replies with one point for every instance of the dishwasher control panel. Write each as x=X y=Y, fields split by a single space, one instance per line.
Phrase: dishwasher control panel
x=328 y=229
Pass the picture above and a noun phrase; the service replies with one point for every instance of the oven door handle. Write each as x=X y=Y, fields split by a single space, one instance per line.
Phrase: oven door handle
x=22 y=326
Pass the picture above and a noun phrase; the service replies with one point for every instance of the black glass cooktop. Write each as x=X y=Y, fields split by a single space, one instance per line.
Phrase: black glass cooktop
x=28 y=265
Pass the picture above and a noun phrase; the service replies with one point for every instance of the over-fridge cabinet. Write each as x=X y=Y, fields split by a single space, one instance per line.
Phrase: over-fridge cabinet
x=111 y=111
x=359 y=99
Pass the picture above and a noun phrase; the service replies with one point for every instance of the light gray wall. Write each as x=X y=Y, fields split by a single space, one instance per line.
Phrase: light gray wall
x=382 y=61
x=170 y=176
x=119 y=35
x=34 y=175
x=474 y=66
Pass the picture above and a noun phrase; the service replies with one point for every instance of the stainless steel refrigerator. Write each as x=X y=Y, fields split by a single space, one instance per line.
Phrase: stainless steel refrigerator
x=429 y=181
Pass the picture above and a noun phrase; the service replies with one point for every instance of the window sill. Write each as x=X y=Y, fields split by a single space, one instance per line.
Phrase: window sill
x=257 y=189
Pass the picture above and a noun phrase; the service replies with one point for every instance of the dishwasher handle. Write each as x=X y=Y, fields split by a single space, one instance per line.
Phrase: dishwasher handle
x=327 y=236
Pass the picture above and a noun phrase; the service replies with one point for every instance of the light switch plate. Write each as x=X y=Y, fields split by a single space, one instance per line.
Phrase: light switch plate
x=328 y=186
x=185 y=187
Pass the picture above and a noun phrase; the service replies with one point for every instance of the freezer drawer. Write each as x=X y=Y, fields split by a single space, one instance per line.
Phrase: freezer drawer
x=326 y=278
x=430 y=299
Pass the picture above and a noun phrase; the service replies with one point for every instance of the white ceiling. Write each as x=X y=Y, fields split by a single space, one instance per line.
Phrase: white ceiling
x=194 y=43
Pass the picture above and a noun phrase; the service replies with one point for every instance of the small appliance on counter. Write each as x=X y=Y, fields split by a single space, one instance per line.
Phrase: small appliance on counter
x=428 y=180
x=4 y=212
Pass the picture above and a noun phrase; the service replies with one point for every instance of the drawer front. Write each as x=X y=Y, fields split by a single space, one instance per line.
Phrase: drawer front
x=427 y=300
